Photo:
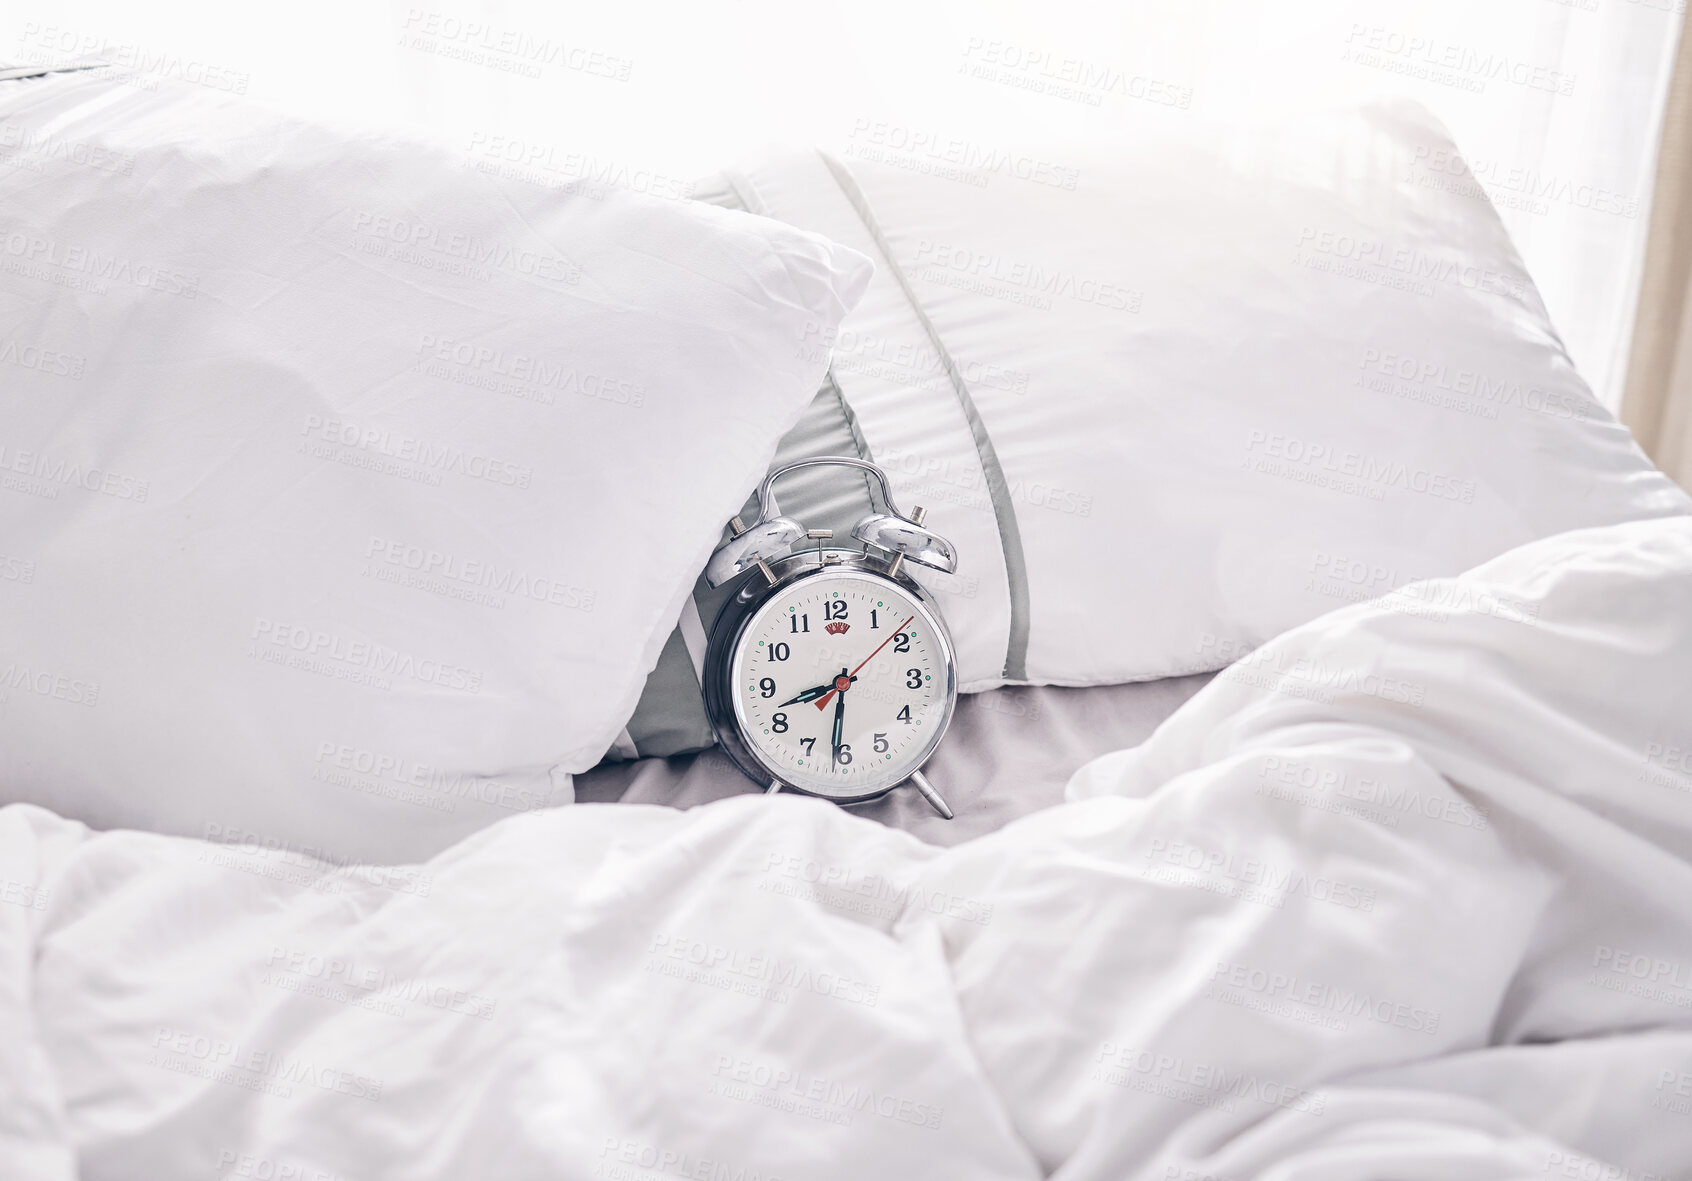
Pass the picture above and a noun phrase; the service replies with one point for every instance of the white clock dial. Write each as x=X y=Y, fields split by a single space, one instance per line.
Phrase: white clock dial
x=841 y=684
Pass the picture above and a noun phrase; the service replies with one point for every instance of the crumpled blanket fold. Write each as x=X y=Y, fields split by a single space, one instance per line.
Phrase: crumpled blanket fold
x=1405 y=893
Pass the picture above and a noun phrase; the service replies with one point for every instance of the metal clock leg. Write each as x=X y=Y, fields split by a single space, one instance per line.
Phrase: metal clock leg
x=775 y=786
x=929 y=794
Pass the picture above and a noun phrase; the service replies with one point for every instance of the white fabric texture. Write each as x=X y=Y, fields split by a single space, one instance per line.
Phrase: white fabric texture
x=349 y=493
x=1238 y=377
x=1403 y=895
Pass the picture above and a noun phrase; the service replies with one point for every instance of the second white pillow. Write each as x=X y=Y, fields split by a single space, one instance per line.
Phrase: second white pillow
x=1227 y=382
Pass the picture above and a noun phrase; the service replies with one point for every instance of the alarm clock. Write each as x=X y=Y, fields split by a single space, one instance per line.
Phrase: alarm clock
x=829 y=671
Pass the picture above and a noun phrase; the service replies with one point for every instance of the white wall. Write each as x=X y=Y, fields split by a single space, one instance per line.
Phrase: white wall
x=1556 y=102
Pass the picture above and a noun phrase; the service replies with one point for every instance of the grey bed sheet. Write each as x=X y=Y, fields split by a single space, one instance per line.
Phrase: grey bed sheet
x=1008 y=753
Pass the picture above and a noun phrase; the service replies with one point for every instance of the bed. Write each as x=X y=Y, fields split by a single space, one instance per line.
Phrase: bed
x=1322 y=779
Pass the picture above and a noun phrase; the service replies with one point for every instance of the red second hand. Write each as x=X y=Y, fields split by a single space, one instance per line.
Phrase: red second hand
x=823 y=700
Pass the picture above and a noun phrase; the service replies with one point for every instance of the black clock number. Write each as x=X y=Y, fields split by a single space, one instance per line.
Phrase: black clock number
x=780 y=651
x=779 y=723
x=834 y=609
x=767 y=687
x=905 y=714
x=873 y=614
x=881 y=744
x=798 y=623
x=808 y=744
x=913 y=678
x=843 y=754
x=902 y=642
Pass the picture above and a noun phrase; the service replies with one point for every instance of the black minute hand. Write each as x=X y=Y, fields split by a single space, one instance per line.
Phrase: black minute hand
x=839 y=720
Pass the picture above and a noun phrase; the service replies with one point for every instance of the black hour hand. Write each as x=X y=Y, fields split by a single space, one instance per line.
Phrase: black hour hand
x=811 y=694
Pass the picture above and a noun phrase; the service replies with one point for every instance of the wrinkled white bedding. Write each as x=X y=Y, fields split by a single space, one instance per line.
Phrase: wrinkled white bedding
x=1406 y=893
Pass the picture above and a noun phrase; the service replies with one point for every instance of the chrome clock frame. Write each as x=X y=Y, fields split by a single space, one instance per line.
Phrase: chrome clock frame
x=737 y=615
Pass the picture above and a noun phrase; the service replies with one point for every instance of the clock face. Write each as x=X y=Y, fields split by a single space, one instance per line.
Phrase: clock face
x=842 y=684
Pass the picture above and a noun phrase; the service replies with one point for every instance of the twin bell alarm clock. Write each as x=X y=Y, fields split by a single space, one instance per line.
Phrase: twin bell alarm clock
x=830 y=671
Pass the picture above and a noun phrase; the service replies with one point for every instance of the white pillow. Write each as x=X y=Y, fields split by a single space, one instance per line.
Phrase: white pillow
x=1218 y=385
x=347 y=494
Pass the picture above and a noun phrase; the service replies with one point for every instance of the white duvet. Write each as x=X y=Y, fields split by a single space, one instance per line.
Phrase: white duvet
x=1406 y=893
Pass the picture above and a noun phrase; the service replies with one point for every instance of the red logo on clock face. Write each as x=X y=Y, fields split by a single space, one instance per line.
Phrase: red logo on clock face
x=837 y=628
